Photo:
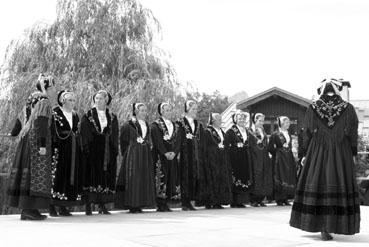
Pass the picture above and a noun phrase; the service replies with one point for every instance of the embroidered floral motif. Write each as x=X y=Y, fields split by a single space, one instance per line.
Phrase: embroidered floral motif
x=188 y=131
x=161 y=188
x=261 y=138
x=238 y=133
x=189 y=136
x=164 y=129
x=177 y=195
x=57 y=117
x=329 y=109
x=216 y=137
x=92 y=120
x=139 y=138
x=54 y=163
x=99 y=189
x=239 y=183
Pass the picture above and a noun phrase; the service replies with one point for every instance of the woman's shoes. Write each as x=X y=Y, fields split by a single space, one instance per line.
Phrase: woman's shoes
x=103 y=210
x=135 y=210
x=63 y=211
x=286 y=202
x=52 y=211
x=188 y=207
x=326 y=236
x=88 y=209
x=163 y=208
x=32 y=214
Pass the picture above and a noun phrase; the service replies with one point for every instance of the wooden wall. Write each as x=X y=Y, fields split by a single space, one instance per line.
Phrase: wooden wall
x=275 y=106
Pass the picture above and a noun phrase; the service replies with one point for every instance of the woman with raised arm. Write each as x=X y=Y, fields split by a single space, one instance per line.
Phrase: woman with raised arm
x=30 y=178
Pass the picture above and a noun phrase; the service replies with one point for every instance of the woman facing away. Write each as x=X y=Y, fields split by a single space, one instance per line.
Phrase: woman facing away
x=327 y=198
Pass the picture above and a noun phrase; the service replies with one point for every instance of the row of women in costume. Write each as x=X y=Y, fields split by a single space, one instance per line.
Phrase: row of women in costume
x=64 y=161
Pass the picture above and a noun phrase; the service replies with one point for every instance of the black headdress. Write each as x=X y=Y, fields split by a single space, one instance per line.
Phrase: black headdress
x=189 y=104
x=135 y=107
x=161 y=106
x=44 y=82
x=106 y=93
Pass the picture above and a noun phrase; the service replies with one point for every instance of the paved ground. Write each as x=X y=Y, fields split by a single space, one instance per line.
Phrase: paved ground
x=228 y=227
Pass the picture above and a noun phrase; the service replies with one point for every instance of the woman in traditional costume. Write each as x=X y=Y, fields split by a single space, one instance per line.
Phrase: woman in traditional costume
x=219 y=175
x=30 y=178
x=99 y=130
x=193 y=185
x=67 y=176
x=280 y=146
x=135 y=186
x=327 y=198
x=237 y=139
x=262 y=167
x=166 y=146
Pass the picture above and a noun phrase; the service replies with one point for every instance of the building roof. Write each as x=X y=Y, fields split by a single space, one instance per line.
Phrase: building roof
x=270 y=92
x=227 y=116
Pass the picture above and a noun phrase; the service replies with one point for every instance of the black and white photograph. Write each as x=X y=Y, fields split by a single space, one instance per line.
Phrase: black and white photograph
x=160 y=123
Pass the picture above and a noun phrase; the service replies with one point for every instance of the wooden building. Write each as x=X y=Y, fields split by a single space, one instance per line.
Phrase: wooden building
x=277 y=102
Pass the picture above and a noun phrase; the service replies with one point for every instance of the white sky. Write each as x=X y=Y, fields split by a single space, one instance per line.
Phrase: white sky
x=250 y=45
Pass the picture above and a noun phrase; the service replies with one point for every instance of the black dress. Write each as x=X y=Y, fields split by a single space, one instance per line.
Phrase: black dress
x=327 y=193
x=135 y=185
x=167 y=176
x=262 y=166
x=30 y=178
x=193 y=185
x=240 y=160
x=219 y=170
x=67 y=172
x=100 y=148
x=284 y=172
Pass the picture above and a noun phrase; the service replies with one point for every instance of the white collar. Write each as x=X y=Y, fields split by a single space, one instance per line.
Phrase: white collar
x=66 y=112
x=141 y=121
x=166 y=120
x=241 y=128
x=283 y=131
x=190 y=119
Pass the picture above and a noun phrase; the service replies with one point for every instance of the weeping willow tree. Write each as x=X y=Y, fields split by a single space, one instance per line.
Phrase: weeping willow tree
x=92 y=45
